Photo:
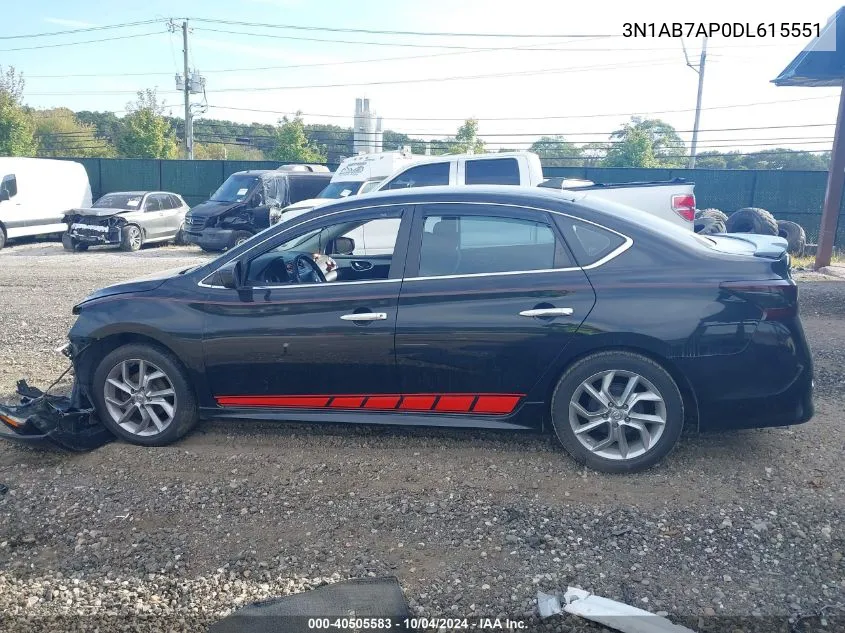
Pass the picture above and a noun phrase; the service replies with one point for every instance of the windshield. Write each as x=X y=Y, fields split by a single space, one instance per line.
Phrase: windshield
x=370 y=185
x=341 y=189
x=235 y=189
x=119 y=201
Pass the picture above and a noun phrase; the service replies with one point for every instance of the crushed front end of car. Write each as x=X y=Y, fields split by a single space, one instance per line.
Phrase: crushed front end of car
x=41 y=418
x=94 y=229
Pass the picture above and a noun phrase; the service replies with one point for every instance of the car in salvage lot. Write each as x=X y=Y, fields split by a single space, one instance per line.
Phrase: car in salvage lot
x=497 y=307
x=127 y=219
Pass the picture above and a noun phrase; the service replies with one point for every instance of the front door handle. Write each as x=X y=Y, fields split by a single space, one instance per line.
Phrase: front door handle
x=365 y=316
x=360 y=266
x=547 y=312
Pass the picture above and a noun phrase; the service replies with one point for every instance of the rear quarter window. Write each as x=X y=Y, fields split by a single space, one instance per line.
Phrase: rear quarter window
x=589 y=243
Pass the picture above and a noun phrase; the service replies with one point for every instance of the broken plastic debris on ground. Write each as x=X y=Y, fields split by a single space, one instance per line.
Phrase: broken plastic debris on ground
x=610 y=613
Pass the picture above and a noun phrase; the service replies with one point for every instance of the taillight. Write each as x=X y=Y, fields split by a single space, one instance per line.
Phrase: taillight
x=777 y=298
x=684 y=205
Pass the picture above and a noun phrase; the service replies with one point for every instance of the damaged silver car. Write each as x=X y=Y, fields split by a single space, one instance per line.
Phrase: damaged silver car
x=128 y=219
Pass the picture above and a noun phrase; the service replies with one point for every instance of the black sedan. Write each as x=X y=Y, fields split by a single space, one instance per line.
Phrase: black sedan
x=486 y=307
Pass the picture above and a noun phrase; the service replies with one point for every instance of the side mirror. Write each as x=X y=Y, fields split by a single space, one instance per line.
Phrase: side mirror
x=230 y=274
x=343 y=246
x=4 y=195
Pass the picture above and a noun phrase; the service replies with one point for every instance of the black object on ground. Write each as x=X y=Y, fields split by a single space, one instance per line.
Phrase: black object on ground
x=358 y=599
x=62 y=421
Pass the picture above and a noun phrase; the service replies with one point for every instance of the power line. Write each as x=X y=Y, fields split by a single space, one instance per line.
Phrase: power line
x=522 y=48
x=104 y=39
x=79 y=30
x=298 y=27
x=538 y=118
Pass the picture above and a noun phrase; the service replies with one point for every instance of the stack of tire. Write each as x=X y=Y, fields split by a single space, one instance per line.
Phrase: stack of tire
x=751 y=220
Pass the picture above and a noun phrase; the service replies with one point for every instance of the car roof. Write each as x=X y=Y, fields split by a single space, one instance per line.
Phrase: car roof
x=464 y=193
x=138 y=193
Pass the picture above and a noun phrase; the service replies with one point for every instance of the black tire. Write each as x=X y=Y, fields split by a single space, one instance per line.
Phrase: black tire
x=752 y=220
x=620 y=361
x=131 y=238
x=794 y=235
x=179 y=240
x=2 y=237
x=705 y=225
x=185 y=410
x=238 y=238
x=715 y=214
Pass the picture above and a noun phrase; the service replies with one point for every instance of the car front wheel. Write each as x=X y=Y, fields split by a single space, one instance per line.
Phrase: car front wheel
x=617 y=412
x=142 y=395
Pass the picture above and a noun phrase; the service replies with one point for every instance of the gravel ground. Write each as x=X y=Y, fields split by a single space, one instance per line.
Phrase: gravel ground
x=735 y=531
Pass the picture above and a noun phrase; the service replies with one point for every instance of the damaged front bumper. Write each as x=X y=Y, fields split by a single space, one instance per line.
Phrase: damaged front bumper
x=61 y=421
x=95 y=234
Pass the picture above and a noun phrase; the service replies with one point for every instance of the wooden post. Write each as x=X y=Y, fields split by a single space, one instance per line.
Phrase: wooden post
x=833 y=193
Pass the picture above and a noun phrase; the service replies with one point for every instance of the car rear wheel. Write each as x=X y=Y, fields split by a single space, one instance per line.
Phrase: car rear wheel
x=2 y=237
x=142 y=395
x=617 y=412
x=131 y=239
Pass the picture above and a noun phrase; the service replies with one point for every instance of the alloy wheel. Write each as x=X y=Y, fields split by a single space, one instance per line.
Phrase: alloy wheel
x=134 y=238
x=617 y=414
x=140 y=397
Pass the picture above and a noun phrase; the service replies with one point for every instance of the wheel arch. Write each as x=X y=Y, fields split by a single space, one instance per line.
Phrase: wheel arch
x=691 y=415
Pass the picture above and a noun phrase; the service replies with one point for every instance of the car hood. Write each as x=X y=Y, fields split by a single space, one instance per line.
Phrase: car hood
x=210 y=208
x=100 y=213
x=140 y=284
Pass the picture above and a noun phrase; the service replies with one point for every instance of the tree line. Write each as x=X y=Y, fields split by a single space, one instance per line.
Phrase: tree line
x=145 y=131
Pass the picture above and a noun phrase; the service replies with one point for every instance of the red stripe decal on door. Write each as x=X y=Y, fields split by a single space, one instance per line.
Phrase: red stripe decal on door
x=498 y=405
x=460 y=404
x=299 y=402
x=485 y=403
x=418 y=403
x=381 y=402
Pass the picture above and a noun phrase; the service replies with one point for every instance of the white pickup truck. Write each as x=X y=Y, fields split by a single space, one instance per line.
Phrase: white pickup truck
x=672 y=200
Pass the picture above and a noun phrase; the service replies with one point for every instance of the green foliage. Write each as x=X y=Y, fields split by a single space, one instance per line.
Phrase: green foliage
x=646 y=143
x=145 y=132
x=223 y=151
x=556 y=151
x=17 y=128
x=291 y=144
x=60 y=133
x=466 y=140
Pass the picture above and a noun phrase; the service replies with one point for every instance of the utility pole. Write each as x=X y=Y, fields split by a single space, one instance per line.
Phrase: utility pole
x=700 y=70
x=189 y=124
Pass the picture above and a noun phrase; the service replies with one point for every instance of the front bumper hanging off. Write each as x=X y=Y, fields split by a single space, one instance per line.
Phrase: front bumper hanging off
x=60 y=421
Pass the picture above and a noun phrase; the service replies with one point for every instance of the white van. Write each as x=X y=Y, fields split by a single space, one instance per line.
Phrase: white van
x=35 y=193
x=354 y=176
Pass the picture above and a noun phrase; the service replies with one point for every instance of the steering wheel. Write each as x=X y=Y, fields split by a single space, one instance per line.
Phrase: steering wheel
x=304 y=266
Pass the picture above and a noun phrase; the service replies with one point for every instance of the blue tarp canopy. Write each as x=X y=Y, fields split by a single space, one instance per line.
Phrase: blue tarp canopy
x=822 y=62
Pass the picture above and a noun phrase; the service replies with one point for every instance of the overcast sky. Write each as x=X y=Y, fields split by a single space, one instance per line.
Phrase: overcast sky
x=592 y=75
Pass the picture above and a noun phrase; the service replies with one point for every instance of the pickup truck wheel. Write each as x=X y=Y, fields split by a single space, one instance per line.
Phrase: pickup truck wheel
x=131 y=239
x=617 y=412
x=752 y=220
x=794 y=235
x=238 y=238
x=142 y=395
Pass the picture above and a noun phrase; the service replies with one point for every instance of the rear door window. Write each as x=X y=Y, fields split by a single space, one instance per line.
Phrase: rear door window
x=153 y=203
x=493 y=171
x=421 y=176
x=456 y=244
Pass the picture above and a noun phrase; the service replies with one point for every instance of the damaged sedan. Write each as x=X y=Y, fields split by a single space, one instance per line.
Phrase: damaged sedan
x=128 y=219
x=509 y=308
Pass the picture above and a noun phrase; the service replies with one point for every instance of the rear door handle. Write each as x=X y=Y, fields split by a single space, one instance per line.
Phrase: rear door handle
x=547 y=312
x=365 y=316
